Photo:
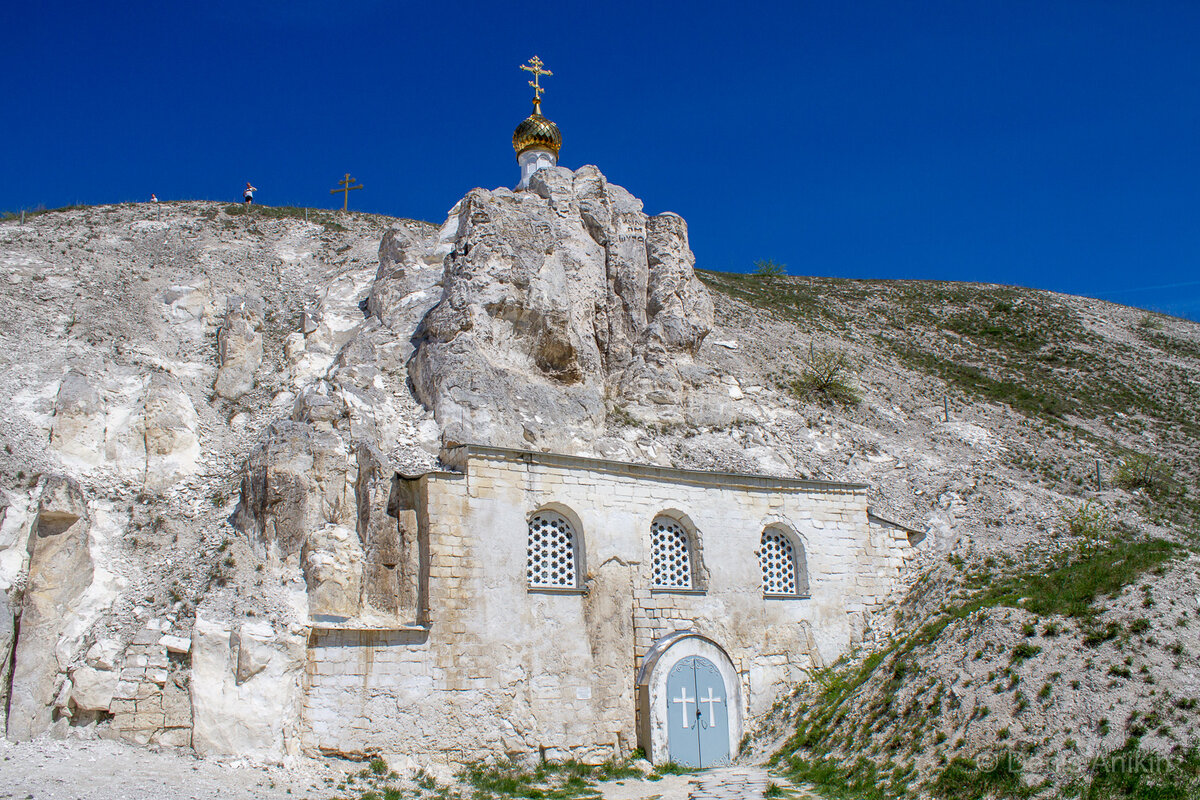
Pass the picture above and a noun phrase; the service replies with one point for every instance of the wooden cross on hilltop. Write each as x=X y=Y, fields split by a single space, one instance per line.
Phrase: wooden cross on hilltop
x=345 y=190
x=535 y=66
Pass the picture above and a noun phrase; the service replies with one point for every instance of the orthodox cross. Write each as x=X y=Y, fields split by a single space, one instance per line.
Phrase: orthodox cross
x=345 y=190
x=535 y=67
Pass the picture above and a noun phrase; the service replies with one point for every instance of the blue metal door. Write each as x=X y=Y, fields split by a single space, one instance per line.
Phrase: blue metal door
x=697 y=714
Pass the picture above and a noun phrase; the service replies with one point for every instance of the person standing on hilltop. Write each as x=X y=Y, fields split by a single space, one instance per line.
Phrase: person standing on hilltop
x=248 y=194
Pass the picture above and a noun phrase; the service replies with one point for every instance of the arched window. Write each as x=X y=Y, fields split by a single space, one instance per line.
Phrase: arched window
x=551 y=562
x=670 y=554
x=784 y=572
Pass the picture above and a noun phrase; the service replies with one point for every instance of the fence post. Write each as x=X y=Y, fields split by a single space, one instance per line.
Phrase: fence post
x=946 y=406
x=1099 y=484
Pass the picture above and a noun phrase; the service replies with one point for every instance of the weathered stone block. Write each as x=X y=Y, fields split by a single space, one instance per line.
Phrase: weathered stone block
x=176 y=644
x=92 y=689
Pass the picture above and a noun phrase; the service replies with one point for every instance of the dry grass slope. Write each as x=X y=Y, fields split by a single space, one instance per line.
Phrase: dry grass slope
x=1068 y=669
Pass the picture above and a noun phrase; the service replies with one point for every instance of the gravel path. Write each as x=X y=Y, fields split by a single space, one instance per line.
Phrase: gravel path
x=731 y=783
x=104 y=770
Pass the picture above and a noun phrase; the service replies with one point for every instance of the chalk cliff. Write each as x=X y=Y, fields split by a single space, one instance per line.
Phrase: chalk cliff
x=205 y=406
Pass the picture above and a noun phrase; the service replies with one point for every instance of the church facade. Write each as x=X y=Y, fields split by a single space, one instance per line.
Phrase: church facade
x=569 y=607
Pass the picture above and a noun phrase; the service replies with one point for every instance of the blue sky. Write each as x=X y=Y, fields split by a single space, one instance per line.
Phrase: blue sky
x=1046 y=144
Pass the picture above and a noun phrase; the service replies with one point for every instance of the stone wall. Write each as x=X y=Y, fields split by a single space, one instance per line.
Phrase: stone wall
x=501 y=668
x=151 y=701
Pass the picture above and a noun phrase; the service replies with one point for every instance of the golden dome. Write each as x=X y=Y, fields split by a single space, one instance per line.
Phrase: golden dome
x=537 y=131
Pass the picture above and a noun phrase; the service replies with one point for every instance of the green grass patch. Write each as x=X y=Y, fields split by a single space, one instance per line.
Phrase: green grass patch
x=1134 y=774
x=1148 y=473
x=837 y=778
x=504 y=778
x=1068 y=587
x=552 y=780
x=671 y=768
x=1072 y=588
x=42 y=210
x=994 y=775
x=327 y=219
x=1022 y=395
x=1024 y=348
x=615 y=771
x=1183 y=348
x=1023 y=652
x=999 y=329
x=826 y=377
x=796 y=299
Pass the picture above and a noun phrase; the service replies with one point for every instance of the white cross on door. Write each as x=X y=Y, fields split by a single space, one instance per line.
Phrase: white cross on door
x=683 y=700
x=711 y=700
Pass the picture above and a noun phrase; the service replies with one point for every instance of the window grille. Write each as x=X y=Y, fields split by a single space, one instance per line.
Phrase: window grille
x=551 y=553
x=670 y=554
x=777 y=557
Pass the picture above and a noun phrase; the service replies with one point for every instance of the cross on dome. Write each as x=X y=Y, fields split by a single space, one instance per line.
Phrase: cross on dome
x=535 y=67
x=536 y=140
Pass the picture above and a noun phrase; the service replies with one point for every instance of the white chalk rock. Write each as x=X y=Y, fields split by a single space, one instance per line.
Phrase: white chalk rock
x=103 y=654
x=93 y=689
x=239 y=346
x=256 y=716
x=176 y=644
x=333 y=568
x=77 y=430
x=172 y=447
x=550 y=299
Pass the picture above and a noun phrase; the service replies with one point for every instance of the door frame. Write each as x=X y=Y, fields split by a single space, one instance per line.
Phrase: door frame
x=652 y=690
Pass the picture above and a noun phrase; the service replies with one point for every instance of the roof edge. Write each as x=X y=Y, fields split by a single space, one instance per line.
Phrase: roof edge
x=457 y=455
x=871 y=515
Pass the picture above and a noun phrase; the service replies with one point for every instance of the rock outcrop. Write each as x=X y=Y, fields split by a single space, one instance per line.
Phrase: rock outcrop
x=93 y=689
x=295 y=483
x=239 y=346
x=333 y=572
x=140 y=429
x=554 y=301
x=518 y=323
x=245 y=689
x=78 y=432
x=7 y=634
x=60 y=570
x=172 y=446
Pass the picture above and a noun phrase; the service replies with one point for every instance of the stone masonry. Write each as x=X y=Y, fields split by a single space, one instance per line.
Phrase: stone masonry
x=495 y=666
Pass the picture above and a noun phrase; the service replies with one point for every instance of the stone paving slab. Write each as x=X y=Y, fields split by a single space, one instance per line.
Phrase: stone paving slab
x=671 y=787
x=731 y=783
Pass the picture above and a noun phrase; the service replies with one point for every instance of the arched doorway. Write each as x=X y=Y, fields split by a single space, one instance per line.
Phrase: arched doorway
x=697 y=739
x=689 y=702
